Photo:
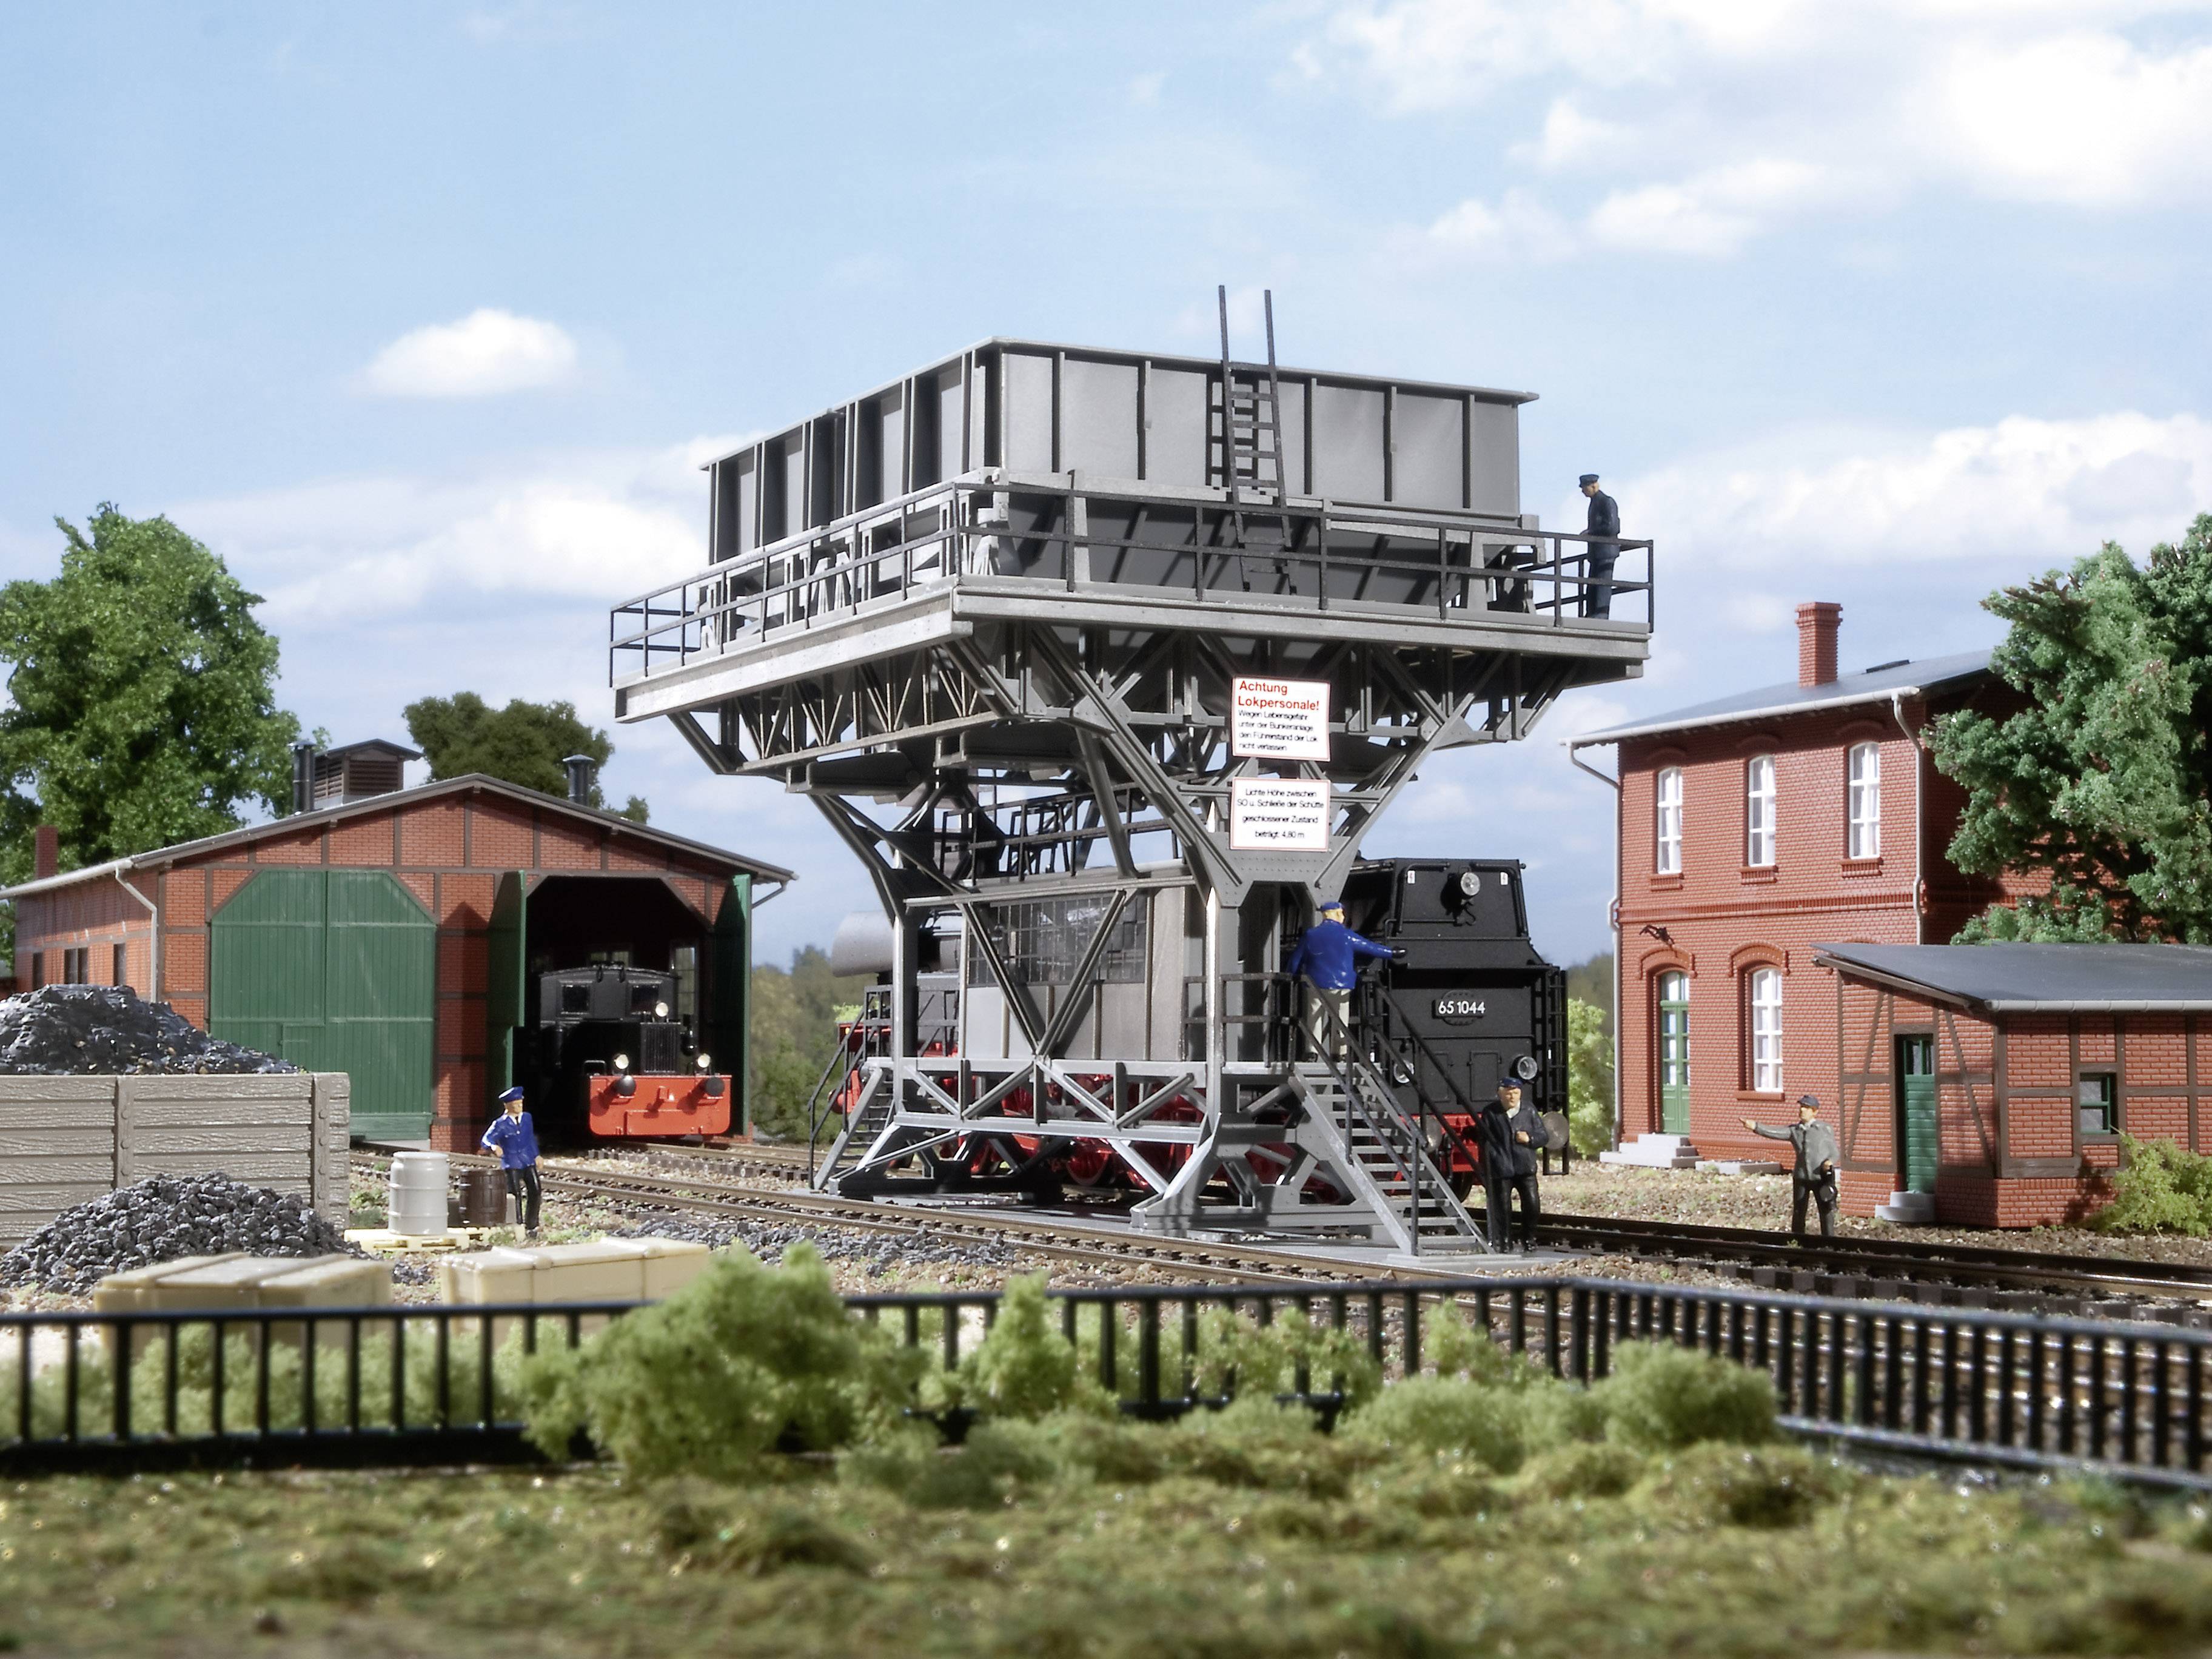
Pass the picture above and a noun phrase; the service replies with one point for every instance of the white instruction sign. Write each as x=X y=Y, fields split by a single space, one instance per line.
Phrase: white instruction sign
x=1279 y=719
x=1278 y=815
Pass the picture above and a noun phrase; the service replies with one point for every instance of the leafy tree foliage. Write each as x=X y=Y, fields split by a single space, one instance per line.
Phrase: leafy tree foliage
x=2101 y=780
x=1589 y=1078
x=1591 y=981
x=795 y=1033
x=142 y=704
x=524 y=742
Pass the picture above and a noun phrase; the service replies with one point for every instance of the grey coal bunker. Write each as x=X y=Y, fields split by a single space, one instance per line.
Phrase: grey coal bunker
x=108 y=1031
x=161 y=1219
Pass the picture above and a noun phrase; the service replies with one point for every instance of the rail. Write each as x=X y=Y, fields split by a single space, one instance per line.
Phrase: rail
x=437 y=1384
x=1384 y=561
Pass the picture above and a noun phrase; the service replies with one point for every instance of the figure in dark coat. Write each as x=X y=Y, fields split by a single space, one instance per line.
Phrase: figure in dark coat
x=1526 y=1148
x=1604 y=521
x=1509 y=1134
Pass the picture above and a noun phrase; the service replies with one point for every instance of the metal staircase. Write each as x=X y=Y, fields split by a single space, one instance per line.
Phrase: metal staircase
x=1378 y=1146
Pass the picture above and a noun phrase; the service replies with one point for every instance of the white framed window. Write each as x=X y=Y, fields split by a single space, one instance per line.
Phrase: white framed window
x=1864 y=767
x=1766 y=1030
x=1758 y=811
x=1667 y=838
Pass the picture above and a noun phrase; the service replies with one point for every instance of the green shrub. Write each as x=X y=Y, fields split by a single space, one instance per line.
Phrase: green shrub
x=1581 y=1469
x=1256 y=1442
x=989 y=1468
x=2160 y=1187
x=742 y=1360
x=1661 y=1397
x=1447 y=1414
x=1768 y=1487
x=1456 y=1348
x=1025 y=1367
x=1556 y=1413
x=1237 y=1356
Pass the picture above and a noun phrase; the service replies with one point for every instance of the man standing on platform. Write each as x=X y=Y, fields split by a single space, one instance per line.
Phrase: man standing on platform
x=1328 y=958
x=1604 y=522
x=1526 y=1142
x=1814 y=1174
x=515 y=1140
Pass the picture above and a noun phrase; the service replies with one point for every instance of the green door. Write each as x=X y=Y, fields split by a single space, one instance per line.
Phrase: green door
x=724 y=1012
x=505 y=987
x=1915 y=1111
x=335 y=970
x=1675 y=1054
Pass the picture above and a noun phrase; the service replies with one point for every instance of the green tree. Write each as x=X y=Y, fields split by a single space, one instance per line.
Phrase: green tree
x=795 y=1033
x=1591 y=981
x=1589 y=1078
x=2100 y=781
x=524 y=742
x=142 y=699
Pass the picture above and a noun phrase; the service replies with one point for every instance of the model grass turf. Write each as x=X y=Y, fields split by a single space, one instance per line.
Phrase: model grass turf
x=1415 y=1555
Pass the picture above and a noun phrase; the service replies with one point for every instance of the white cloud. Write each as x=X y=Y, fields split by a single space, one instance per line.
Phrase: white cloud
x=485 y=353
x=1145 y=89
x=1692 y=127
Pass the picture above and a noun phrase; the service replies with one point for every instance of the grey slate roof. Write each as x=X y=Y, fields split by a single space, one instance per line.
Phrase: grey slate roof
x=2079 y=979
x=1870 y=685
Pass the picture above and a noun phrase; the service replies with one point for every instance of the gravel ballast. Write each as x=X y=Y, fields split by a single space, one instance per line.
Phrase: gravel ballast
x=161 y=1219
x=108 y=1031
x=878 y=1254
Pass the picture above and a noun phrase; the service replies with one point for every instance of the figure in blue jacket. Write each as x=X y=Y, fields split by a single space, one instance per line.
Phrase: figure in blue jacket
x=515 y=1140
x=1328 y=958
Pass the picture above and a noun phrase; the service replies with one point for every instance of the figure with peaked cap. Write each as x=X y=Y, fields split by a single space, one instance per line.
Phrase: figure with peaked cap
x=1524 y=1143
x=515 y=1140
x=1814 y=1174
x=1604 y=521
x=1328 y=958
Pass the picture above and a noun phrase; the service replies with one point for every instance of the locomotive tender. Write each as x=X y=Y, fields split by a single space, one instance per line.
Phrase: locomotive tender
x=612 y=1060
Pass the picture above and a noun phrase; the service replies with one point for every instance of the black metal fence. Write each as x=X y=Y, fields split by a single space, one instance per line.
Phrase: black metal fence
x=440 y=1384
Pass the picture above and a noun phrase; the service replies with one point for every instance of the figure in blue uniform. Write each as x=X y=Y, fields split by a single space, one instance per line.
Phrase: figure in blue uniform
x=1328 y=958
x=515 y=1140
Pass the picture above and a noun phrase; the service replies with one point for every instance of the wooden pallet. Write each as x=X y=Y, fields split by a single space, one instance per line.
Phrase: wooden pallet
x=384 y=1239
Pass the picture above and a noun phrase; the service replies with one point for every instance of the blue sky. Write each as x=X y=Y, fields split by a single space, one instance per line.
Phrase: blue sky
x=423 y=315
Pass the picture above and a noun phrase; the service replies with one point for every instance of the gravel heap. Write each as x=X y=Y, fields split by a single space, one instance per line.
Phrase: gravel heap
x=163 y=1218
x=878 y=1253
x=106 y=1030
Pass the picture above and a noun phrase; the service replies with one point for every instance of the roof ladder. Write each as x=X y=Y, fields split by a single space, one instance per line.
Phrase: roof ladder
x=1252 y=446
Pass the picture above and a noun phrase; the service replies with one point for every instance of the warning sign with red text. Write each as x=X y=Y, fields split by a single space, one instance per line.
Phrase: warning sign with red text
x=1279 y=719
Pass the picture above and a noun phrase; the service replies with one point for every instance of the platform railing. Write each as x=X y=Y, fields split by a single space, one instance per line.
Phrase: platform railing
x=389 y=1387
x=1407 y=562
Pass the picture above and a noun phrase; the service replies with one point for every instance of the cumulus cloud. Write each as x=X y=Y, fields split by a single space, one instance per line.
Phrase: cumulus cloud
x=1692 y=127
x=485 y=353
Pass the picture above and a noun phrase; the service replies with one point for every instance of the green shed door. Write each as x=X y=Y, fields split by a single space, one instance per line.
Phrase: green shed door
x=337 y=971
x=724 y=1017
x=506 y=986
x=1915 y=1111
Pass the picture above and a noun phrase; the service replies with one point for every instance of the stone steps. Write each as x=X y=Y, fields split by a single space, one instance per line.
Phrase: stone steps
x=1650 y=1152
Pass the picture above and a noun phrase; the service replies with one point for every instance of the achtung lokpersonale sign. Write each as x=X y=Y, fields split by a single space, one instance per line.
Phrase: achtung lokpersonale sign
x=1278 y=815
x=1279 y=719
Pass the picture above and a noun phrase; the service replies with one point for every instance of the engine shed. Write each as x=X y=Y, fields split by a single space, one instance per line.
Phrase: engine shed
x=398 y=934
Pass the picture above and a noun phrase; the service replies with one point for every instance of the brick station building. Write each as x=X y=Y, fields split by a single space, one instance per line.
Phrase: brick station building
x=391 y=933
x=1753 y=831
x=2000 y=1077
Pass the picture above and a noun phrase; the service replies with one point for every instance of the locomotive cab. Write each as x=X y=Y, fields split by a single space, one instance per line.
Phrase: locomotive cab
x=614 y=1062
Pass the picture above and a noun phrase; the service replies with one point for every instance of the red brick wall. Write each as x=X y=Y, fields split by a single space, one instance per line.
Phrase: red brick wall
x=448 y=852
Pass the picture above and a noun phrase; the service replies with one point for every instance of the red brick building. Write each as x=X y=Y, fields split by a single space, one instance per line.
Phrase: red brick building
x=2000 y=1077
x=391 y=934
x=1752 y=829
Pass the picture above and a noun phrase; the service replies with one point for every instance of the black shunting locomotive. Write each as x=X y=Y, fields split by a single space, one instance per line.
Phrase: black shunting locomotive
x=612 y=1058
x=1470 y=1000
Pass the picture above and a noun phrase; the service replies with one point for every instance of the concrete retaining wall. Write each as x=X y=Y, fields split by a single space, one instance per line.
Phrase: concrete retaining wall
x=65 y=1139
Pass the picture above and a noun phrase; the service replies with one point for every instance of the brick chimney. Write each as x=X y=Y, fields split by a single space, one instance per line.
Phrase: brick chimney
x=1816 y=642
x=45 y=852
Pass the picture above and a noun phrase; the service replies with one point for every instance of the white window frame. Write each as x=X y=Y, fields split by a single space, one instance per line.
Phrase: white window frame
x=1863 y=766
x=1759 y=799
x=1763 y=998
x=1666 y=823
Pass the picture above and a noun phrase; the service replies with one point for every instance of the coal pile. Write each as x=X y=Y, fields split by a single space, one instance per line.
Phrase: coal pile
x=104 y=1030
x=878 y=1253
x=163 y=1218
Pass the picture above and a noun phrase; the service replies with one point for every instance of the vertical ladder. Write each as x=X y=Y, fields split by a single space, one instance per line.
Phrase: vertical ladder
x=1252 y=445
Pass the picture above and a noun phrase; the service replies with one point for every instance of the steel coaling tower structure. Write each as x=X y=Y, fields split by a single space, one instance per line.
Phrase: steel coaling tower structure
x=992 y=618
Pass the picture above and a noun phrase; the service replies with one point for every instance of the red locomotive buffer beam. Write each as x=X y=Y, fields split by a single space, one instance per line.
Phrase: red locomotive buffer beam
x=657 y=1106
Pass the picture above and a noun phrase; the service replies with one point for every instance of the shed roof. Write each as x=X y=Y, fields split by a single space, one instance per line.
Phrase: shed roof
x=1870 y=685
x=370 y=745
x=2050 y=979
x=473 y=783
